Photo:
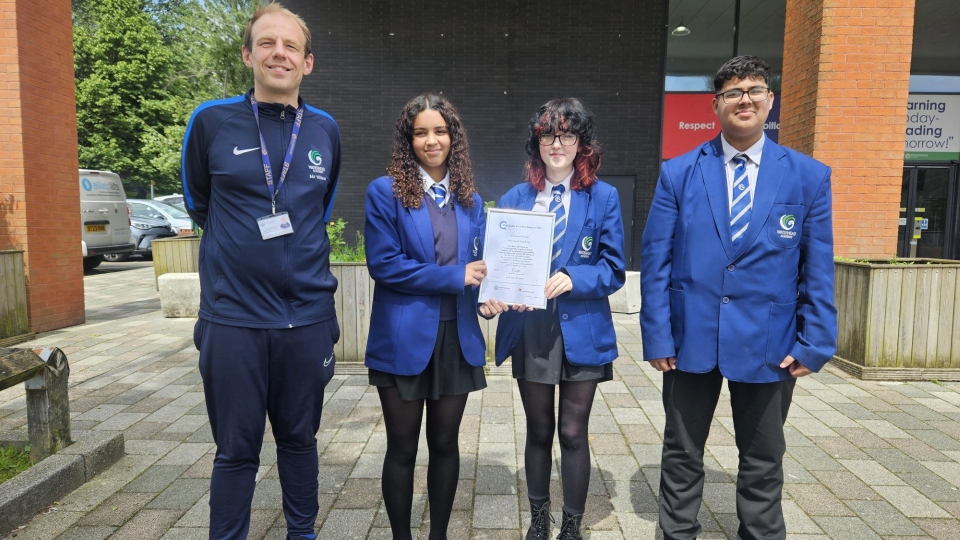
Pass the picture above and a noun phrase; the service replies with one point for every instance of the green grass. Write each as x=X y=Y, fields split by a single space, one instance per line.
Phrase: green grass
x=13 y=463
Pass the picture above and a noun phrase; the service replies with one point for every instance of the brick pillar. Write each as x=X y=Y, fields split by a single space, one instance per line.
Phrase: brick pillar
x=39 y=190
x=846 y=67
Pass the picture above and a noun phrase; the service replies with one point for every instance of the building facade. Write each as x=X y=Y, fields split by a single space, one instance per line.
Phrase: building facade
x=852 y=71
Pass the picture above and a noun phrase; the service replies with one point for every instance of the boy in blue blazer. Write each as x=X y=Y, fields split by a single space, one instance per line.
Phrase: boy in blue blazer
x=737 y=283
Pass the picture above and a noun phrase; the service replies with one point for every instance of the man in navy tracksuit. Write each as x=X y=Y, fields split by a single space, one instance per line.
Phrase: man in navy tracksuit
x=259 y=175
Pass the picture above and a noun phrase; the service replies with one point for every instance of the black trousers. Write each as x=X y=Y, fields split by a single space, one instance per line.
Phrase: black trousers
x=759 y=412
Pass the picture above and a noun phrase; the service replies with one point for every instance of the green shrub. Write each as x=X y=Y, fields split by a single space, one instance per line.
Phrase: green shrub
x=13 y=463
x=340 y=250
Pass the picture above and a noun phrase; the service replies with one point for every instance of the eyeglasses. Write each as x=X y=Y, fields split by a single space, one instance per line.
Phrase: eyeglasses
x=566 y=139
x=757 y=94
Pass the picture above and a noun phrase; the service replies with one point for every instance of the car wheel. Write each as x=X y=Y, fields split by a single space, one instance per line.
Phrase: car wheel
x=116 y=257
x=89 y=263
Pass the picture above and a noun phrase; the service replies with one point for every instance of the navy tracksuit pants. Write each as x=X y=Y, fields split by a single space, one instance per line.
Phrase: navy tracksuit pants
x=250 y=374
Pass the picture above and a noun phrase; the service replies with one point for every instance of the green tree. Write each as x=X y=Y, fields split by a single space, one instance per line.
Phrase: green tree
x=221 y=33
x=124 y=68
x=142 y=66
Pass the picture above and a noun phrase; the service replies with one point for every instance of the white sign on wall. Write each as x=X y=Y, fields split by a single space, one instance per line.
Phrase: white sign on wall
x=933 y=127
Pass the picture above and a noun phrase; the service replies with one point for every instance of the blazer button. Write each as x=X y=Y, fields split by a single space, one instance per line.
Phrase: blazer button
x=725 y=300
x=731 y=267
x=565 y=316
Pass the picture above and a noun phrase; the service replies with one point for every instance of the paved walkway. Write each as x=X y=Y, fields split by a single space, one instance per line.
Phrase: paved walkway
x=865 y=460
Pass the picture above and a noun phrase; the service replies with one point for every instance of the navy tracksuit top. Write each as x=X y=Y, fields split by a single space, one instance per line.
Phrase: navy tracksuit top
x=246 y=281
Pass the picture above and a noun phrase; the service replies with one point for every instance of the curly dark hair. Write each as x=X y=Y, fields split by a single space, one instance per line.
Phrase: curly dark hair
x=404 y=167
x=572 y=116
x=742 y=67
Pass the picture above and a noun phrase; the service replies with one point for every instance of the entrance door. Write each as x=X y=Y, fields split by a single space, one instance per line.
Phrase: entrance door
x=929 y=193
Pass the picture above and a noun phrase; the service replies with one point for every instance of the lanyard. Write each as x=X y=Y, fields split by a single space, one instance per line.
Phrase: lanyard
x=267 y=170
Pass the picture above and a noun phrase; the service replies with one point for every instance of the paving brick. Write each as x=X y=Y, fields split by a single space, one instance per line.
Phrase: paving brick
x=155 y=479
x=496 y=512
x=911 y=502
x=816 y=500
x=116 y=510
x=846 y=528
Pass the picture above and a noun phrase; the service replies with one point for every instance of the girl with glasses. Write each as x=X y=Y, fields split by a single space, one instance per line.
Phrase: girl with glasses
x=562 y=352
x=423 y=234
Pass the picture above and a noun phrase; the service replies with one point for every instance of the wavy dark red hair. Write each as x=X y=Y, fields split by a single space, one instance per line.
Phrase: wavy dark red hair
x=572 y=116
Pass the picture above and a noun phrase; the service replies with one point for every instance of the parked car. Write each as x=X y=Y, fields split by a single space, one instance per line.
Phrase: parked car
x=154 y=209
x=175 y=200
x=104 y=217
x=144 y=231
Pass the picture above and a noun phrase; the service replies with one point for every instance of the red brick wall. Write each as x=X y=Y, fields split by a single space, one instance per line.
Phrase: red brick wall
x=847 y=66
x=39 y=195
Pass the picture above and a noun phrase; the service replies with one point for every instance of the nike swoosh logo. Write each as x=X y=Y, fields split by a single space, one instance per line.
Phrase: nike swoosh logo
x=237 y=151
x=326 y=361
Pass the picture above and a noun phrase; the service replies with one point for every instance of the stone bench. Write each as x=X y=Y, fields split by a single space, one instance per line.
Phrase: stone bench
x=179 y=294
x=627 y=299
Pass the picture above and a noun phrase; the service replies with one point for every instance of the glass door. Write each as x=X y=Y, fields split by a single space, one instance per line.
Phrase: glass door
x=928 y=195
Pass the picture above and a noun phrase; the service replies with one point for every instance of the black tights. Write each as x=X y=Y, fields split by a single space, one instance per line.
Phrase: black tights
x=402 y=419
x=576 y=400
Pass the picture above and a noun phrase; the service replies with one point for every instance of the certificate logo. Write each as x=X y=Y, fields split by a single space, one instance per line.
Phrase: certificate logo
x=503 y=225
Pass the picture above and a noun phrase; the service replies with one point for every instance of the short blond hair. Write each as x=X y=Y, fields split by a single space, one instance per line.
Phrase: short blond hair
x=275 y=7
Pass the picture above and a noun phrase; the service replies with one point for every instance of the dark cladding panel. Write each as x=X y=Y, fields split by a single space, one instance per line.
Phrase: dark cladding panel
x=497 y=61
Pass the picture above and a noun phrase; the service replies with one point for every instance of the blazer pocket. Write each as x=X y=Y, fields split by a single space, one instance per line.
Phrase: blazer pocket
x=384 y=332
x=585 y=252
x=781 y=332
x=676 y=317
x=476 y=244
x=601 y=325
x=784 y=226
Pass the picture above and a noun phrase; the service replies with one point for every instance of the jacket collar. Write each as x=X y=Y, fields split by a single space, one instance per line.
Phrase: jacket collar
x=714 y=176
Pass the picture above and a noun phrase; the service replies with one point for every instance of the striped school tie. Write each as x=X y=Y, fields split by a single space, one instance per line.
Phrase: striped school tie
x=559 y=225
x=742 y=204
x=439 y=194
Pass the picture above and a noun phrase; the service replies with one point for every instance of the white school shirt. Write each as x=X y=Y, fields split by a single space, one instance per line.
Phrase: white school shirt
x=428 y=183
x=545 y=195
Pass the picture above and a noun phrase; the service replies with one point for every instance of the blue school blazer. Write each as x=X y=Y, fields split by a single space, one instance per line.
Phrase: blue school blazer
x=405 y=315
x=744 y=309
x=592 y=255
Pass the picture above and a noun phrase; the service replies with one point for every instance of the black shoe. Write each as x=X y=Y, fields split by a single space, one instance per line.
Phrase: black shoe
x=570 y=527
x=540 y=520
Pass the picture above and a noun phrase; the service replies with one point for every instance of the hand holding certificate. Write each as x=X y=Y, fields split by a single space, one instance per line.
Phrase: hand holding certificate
x=517 y=252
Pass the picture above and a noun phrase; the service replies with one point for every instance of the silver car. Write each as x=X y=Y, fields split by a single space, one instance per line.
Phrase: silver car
x=146 y=208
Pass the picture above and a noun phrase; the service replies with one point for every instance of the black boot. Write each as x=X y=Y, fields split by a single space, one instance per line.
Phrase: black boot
x=570 y=527
x=540 y=520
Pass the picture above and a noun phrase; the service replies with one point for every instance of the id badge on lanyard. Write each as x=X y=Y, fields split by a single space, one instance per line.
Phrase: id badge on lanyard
x=275 y=224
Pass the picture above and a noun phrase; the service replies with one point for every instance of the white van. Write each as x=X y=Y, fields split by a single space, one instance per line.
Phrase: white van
x=104 y=217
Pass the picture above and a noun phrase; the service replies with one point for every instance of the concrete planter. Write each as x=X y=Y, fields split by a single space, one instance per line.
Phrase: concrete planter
x=14 y=322
x=899 y=321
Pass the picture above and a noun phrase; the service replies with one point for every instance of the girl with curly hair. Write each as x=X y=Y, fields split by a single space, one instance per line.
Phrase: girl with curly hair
x=424 y=229
x=571 y=344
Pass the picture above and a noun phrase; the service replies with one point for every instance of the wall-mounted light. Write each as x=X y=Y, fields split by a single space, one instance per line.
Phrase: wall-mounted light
x=680 y=30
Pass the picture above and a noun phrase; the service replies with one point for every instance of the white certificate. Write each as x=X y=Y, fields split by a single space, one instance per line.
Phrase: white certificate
x=517 y=251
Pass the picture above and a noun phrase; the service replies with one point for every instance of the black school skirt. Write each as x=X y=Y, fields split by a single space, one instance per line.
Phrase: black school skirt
x=447 y=373
x=539 y=356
